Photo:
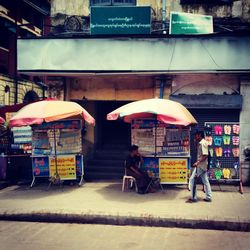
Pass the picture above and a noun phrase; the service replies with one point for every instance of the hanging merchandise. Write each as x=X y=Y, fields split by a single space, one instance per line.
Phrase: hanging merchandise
x=236 y=140
x=209 y=140
x=218 y=174
x=218 y=151
x=224 y=163
x=226 y=139
x=226 y=173
x=218 y=130
x=217 y=141
x=227 y=129
x=227 y=152
x=236 y=152
x=236 y=129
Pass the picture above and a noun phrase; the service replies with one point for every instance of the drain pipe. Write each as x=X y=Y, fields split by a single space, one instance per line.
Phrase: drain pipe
x=162 y=86
x=164 y=12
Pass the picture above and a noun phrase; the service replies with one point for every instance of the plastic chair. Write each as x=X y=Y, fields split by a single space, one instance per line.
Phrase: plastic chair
x=127 y=179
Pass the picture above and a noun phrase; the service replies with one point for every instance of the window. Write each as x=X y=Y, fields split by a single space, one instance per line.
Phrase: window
x=214 y=2
x=112 y=2
x=7 y=95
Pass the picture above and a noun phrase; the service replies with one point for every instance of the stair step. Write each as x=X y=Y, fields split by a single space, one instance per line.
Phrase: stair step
x=107 y=154
x=106 y=169
x=104 y=162
x=102 y=176
x=115 y=146
x=107 y=163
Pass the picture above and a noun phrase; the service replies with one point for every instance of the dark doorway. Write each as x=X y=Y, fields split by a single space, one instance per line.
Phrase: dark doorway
x=111 y=132
x=30 y=96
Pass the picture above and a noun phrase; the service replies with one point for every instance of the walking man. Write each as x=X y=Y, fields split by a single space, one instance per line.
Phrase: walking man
x=200 y=168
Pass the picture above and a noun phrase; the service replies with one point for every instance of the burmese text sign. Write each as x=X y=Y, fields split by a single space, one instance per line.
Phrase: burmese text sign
x=120 y=20
x=66 y=166
x=186 y=23
x=173 y=170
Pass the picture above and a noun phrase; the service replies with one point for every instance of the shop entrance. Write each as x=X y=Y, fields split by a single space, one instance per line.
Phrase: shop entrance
x=111 y=133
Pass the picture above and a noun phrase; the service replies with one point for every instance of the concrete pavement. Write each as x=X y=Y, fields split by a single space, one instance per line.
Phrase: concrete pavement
x=104 y=203
x=39 y=236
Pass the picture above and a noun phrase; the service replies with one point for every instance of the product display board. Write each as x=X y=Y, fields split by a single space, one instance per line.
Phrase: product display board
x=223 y=140
x=57 y=144
x=173 y=170
x=166 y=150
x=22 y=137
x=65 y=134
x=158 y=139
x=172 y=141
x=143 y=135
x=168 y=169
x=69 y=166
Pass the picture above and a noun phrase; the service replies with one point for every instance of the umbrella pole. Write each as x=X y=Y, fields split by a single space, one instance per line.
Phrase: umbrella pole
x=55 y=149
x=155 y=136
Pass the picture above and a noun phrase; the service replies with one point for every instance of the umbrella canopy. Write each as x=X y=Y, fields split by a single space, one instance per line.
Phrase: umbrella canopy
x=166 y=111
x=2 y=121
x=48 y=111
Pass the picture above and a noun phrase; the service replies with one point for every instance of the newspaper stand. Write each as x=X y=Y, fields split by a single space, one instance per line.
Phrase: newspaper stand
x=57 y=150
x=166 y=150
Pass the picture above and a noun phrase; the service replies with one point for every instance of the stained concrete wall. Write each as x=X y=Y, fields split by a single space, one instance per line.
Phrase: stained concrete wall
x=112 y=88
x=245 y=127
x=219 y=84
x=240 y=9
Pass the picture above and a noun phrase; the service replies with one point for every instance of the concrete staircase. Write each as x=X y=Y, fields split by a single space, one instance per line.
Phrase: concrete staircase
x=107 y=163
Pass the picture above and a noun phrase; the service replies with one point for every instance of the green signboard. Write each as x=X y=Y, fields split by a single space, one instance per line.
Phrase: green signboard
x=186 y=23
x=120 y=20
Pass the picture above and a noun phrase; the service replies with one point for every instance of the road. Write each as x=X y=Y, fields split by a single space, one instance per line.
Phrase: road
x=30 y=235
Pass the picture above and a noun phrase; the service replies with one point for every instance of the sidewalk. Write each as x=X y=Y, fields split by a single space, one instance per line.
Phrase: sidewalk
x=105 y=203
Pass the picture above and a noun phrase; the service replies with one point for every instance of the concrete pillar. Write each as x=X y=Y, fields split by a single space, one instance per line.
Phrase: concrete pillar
x=245 y=127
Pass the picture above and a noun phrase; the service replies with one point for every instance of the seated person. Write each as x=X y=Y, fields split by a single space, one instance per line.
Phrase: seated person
x=132 y=167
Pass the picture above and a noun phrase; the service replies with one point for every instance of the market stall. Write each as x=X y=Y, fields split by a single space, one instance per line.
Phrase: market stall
x=56 y=138
x=224 y=147
x=166 y=149
x=161 y=130
x=57 y=148
x=15 y=149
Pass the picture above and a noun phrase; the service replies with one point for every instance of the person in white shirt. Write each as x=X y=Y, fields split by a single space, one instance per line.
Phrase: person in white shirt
x=200 y=168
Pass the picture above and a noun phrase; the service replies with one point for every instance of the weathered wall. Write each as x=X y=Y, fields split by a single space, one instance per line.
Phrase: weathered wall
x=72 y=7
x=245 y=127
x=23 y=88
x=239 y=8
x=112 y=88
x=218 y=84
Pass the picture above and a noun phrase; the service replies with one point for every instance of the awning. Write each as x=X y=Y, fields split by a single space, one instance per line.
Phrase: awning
x=209 y=101
x=75 y=55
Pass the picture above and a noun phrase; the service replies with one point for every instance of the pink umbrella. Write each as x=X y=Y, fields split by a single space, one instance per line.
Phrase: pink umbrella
x=164 y=110
x=48 y=111
x=2 y=121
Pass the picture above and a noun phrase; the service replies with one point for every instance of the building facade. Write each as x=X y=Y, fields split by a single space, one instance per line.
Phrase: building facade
x=25 y=19
x=209 y=74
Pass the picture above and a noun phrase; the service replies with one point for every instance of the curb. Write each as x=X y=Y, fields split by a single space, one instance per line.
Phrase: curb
x=243 y=226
